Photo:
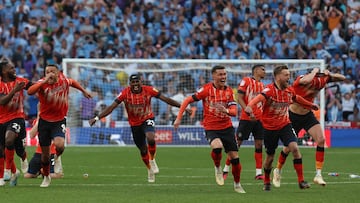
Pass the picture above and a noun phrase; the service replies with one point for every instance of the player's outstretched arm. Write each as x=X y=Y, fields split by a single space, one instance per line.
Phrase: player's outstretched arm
x=77 y=85
x=173 y=103
x=188 y=100
x=169 y=101
x=305 y=103
x=104 y=113
x=336 y=77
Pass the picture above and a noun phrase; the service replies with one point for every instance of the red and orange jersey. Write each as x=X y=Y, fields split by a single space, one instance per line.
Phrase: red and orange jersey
x=54 y=97
x=275 y=111
x=138 y=106
x=250 y=88
x=52 y=149
x=310 y=91
x=15 y=107
x=211 y=98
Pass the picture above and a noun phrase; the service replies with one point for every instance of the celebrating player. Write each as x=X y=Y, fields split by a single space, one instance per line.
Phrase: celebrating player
x=276 y=98
x=308 y=87
x=12 y=126
x=53 y=91
x=35 y=162
x=219 y=105
x=137 y=99
x=248 y=88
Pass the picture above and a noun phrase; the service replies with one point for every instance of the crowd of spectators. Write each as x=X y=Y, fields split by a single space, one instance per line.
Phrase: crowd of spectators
x=37 y=32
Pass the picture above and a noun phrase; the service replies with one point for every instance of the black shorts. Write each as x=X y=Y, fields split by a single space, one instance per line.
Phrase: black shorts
x=246 y=127
x=35 y=164
x=139 y=132
x=272 y=137
x=226 y=136
x=49 y=130
x=17 y=126
x=302 y=121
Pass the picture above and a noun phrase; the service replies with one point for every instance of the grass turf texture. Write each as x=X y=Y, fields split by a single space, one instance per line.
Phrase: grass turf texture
x=117 y=174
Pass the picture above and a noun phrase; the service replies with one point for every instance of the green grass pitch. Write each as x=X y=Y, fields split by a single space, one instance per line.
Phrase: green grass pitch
x=117 y=174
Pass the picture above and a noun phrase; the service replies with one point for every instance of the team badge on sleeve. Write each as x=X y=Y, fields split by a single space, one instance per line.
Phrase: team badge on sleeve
x=242 y=83
x=266 y=90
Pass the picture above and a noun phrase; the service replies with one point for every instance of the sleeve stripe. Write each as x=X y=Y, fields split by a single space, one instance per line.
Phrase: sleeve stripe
x=195 y=98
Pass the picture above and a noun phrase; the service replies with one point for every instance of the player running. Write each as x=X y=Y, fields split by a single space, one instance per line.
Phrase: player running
x=12 y=121
x=308 y=86
x=137 y=99
x=249 y=88
x=53 y=93
x=276 y=98
x=219 y=105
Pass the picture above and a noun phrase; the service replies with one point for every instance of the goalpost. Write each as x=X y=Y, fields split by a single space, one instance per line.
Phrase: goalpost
x=105 y=78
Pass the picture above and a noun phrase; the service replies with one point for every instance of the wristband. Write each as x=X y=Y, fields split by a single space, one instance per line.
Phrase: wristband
x=96 y=118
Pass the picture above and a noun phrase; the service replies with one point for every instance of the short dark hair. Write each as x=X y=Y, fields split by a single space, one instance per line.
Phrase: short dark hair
x=256 y=66
x=279 y=68
x=3 y=63
x=53 y=65
x=218 y=67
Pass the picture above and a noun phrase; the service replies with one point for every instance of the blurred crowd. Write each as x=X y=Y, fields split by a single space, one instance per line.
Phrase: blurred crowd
x=38 y=32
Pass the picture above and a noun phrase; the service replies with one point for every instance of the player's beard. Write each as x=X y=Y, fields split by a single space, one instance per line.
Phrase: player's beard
x=12 y=76
x=284 y=84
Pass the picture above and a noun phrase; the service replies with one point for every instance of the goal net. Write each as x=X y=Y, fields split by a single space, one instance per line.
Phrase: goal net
x=105 y=78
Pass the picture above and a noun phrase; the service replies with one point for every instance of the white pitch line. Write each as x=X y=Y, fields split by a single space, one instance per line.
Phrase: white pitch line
x=178 y=184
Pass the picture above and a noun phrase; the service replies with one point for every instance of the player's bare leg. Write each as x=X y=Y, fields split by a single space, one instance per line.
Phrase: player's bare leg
x=317 y=134
x=59 y=143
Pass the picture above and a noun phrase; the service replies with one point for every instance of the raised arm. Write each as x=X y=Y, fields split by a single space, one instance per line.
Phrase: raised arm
x=335 y=77
x=173 y=103
x=306 y=79
x=169 y=101
x=188 y=100
x=104 y=113
x=77 y=85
